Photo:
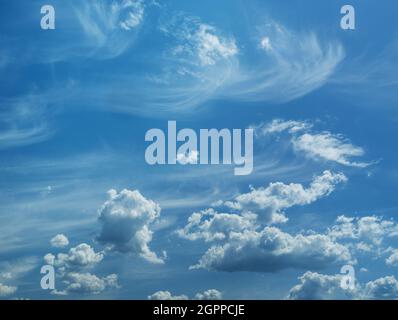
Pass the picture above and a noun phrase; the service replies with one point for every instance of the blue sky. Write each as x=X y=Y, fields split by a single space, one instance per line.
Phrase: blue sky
x=76 y=192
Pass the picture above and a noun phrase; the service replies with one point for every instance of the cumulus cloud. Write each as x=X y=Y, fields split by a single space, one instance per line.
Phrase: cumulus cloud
x=210 y=225
x=166 y=295
x=59 y=241
x=270 y=202
x=367 y=229
x=271 y=250
x=82 y=255
x=244 y=243
x=126 y=219
x=392 y=260
x=382 y=288
x=211 y=294
x=72 y=270
x=259 y=206
x=6 y=291
x=87 y=283
x=315 y=145
x=316 y=286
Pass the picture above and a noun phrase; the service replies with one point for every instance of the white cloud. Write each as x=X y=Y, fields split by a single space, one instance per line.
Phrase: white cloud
x=199 y=63
x=266 y=44
x=72 y=270
x=211 y=294
x=270 y=202
x=108 y=26
x=288 y=65
x=279 y=125
x=126 y=219
x=82 y=255
x=324 y=145
x=382 y=288
x=166 y=295
x=210 y=225
x=211 y=47
x=59 y=241
x=134 y=14
x=6 y=291
x=315 y=286
x=329 y=147
x=392 y=260
x=87 y=283
x=247 y=246
x=371 y=229
x=49 y=258
x=272 y=250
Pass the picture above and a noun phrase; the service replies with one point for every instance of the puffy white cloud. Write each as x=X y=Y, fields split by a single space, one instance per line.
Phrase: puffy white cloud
x=166 y=295
x=6 y=291
x=211 y=294
x=134 y=15
x=88 y=283
x=392 y=259
x=126 y=218
x=271 y=250
x=270 y=202
x=315 y=286
x=368 y=229
x=210 y=225
x=382 y=288
x=59 y=241
x=72 y=270
x=80 y=256
x=49 y=258
x=245 y=245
